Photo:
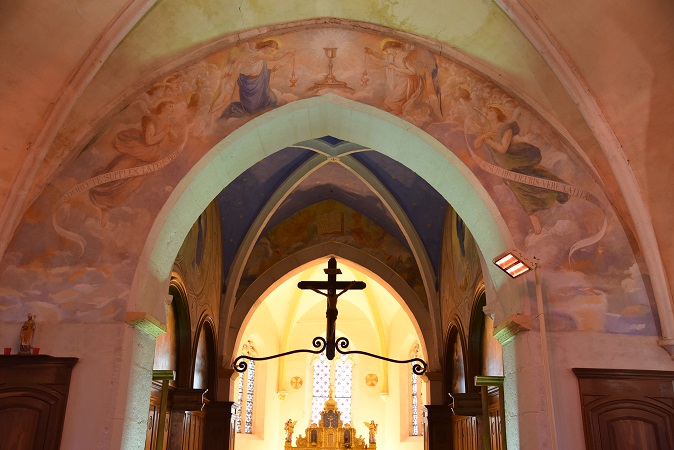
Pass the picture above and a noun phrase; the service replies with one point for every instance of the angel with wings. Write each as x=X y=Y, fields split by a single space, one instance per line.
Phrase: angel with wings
x=508 y=151
x=248 y=63
x=411 y=79
x=290 y=428
x=372 y=428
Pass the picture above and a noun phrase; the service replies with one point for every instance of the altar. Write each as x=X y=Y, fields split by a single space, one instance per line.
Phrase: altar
x=330 y=433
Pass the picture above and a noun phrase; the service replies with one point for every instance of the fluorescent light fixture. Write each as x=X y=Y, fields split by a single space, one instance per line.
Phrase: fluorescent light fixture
x=513 y=263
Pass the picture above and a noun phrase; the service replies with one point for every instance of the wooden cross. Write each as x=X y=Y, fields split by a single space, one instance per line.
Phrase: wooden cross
x=331 y=287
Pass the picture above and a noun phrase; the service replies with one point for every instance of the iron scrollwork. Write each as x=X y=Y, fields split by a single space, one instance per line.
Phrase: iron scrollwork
x=240 y=365
x=330 y=344
x=418 y=368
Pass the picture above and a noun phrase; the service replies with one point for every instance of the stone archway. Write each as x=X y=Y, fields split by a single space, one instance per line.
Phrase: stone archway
x=296 y=262
x=303 y=120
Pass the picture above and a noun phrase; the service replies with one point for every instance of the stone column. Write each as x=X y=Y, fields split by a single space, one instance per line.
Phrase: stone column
x=528 y=422
x=137 y=340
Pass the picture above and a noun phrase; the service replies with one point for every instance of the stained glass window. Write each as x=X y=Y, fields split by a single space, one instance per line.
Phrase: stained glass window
x=239 y=400
x=415 y=404
x=321 y=387
x=340 y=375
x=343 y=383
x=250 y=386
x=246 y=391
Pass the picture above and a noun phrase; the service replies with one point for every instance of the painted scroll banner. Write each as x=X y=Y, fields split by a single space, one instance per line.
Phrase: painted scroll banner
x=551 y=185
x=107 y=178
x=119 y=175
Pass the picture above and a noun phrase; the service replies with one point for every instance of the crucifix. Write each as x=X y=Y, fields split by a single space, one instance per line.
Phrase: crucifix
x=330 y=287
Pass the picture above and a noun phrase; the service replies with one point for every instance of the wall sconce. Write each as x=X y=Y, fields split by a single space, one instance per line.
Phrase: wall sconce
x=513 y=263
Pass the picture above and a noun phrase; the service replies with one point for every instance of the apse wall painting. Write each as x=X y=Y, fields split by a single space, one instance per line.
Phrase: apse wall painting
x=122 y=177
x=331 y=221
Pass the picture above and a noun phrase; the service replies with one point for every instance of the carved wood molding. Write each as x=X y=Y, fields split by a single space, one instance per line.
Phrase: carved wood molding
x=627 y=408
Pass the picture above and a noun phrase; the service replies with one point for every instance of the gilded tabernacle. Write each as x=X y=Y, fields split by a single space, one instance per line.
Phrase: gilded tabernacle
x=330 y=432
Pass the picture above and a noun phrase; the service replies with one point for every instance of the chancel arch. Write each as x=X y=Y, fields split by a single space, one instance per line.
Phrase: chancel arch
x=289 y=124
x=385 y=329
x=369 y=265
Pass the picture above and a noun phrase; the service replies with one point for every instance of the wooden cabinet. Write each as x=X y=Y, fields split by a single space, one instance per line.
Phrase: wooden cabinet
x=33 y=397
x=627 y=409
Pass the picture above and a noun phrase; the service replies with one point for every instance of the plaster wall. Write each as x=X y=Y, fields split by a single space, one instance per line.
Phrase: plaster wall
x=171 y=33
x=173 y=28
x=109 y=389
x=626 y=60
x=27 y=99
x=600 y=351
x=460 y=274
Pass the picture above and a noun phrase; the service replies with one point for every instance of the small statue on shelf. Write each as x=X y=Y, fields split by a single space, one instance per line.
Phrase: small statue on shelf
x=290 y=427
x=27 y=331
x=372 y=427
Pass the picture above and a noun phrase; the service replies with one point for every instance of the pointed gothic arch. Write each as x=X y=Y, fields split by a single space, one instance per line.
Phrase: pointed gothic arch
x=308 y=119
x=296 y=262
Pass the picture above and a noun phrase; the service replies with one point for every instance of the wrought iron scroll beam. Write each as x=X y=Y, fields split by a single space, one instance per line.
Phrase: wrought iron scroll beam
x=419 y=368
x=330 y=343
x=240 y=365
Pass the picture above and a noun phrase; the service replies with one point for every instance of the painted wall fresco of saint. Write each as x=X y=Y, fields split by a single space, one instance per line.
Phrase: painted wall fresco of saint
x=331 y=221
x=74 y=254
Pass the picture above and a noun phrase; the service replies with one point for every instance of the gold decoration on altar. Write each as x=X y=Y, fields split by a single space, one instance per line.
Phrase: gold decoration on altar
x=330 y=433
x=371 y=379
x=296 y=382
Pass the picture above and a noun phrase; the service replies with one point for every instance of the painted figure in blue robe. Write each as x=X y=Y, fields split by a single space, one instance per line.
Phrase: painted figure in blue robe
x=255 y=94
x=519 y=157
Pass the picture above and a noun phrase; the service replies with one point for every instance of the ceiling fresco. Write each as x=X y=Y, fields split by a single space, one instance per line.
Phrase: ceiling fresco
x=424 y=205
x=87 y=229
x=331 y=221
x=334 y=181
x=242 y=200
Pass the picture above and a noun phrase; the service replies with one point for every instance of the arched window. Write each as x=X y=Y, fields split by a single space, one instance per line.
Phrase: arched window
x=246 y=391
x=339 y=373
x=343 y=384
x=415 y=395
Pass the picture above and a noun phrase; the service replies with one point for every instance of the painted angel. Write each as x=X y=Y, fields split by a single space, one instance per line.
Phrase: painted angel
x=411 y=79
x=253 y=76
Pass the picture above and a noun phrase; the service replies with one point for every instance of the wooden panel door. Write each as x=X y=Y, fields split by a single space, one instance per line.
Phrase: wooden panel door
x=627 y=409
x=25 y=421
x=33 y=397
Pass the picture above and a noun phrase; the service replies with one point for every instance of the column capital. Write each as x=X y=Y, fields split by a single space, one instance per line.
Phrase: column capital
x=513 y=325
